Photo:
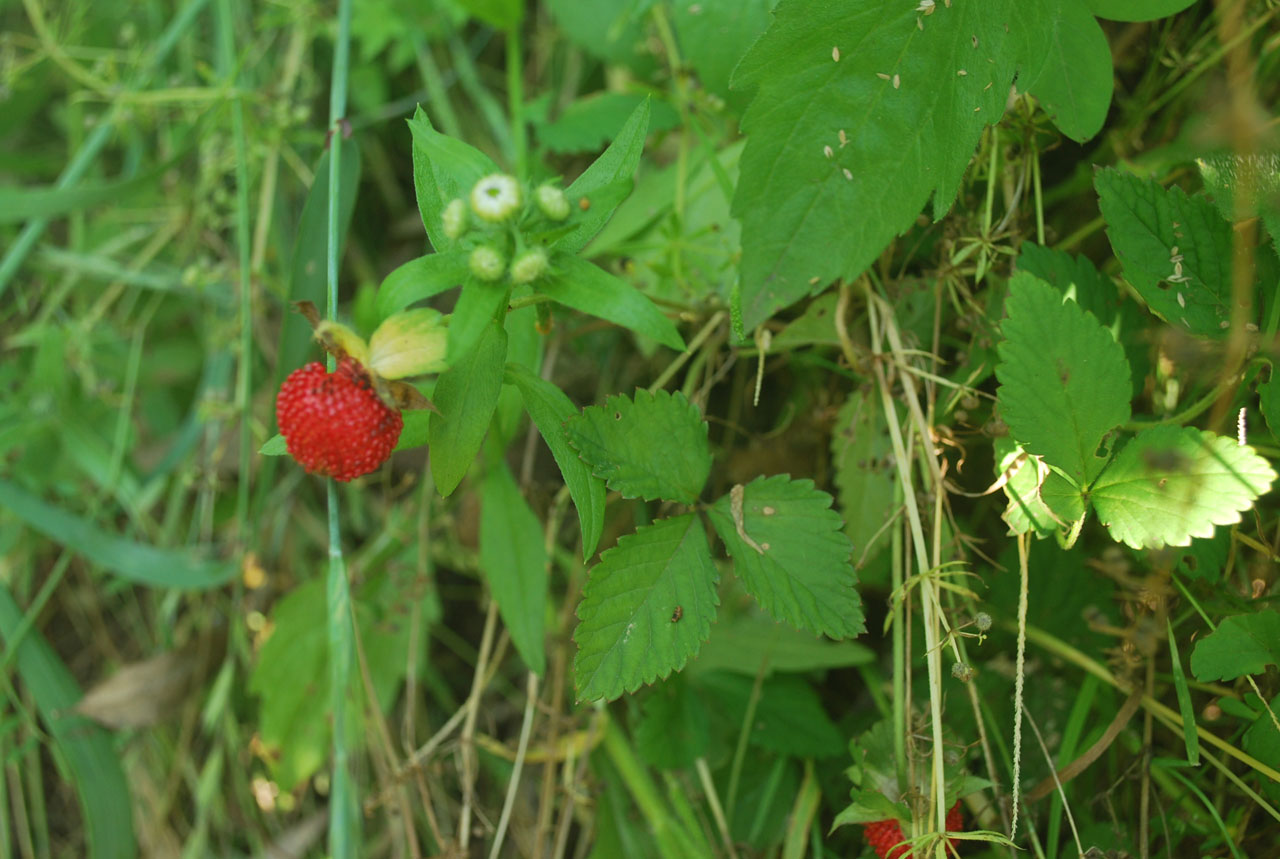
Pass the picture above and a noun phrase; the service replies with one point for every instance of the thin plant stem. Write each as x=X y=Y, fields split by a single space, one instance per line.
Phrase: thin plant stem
x=343 y=818
x=513 y=783
x=244 y=374
x=469 y=725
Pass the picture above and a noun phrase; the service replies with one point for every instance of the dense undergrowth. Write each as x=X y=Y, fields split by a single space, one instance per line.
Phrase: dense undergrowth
x=891 y=423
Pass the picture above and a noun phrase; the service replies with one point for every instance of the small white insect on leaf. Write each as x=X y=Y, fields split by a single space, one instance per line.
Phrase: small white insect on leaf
x=926 y=6
x=848 y=174
x=835 y=53
x=882 y=76
x=828 y=151
x=961 y=73
x=844 y=141
x=897 y=82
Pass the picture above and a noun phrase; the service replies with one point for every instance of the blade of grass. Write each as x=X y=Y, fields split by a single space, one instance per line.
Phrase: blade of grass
x=1185 y=707
x=86 y=748
x=136 y=562
x=344 y=820
x=88 y=153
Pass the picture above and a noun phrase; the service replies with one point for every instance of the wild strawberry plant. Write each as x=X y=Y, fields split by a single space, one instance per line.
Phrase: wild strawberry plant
x=751 y=428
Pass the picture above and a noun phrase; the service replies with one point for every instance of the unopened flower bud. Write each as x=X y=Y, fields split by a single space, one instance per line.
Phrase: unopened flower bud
x=486 y=263
x=552 y=201
x=455 y=219
x=496 y=197
x=529 y=266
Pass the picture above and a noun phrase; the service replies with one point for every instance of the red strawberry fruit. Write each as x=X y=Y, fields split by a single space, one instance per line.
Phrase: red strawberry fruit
x=335 y=424
x=882 y=835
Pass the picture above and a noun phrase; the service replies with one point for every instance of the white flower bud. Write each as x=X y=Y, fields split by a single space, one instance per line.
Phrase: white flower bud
x=455 y=219
x=529 y=266
x=486 y=263
x=496 y=198
x=552 y=201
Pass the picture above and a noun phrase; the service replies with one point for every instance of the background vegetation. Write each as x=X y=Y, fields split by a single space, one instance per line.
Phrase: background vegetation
x=167 y=191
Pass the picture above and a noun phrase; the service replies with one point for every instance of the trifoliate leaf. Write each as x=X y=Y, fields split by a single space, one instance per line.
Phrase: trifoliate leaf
x=444 y=169
x=790 y=551
x=1075 y=86
x=646 y=608
x=1175 y=249
x=1064 y=383
x=897 y=98
x=549 y=408
x=674 y=729
x=652 y=447
x=1243 y=644
x=513 y=556
x=1170 y=484
x=862 y=455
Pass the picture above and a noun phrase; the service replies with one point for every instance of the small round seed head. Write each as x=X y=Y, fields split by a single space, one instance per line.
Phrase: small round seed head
x=455 y=219
x=982 y=620
x=496 y=198
x=529 y=266
x=487 y=264
x=552 y=201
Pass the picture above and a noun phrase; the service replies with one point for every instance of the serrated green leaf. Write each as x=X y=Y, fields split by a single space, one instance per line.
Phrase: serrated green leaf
x=1026 y=510
x=421 y=278
x=869 y=806
x=444 y=169
x=752 y=643
x=466 y=395
x=1136 y=10
x=513 y=557
x=413 y=435
x=789 y=719
x=1170 y=484
x=910 y=118
x=1175 y=250
x=861 y=453
x=1262 y=740
x=617 y=163
x=652 y=447
x=1225 y=175
x=673 y=730
x=1076 y=277
x=478 y=306
x=646 y=608
x=550 y=408
x=790 y=551
x=1075 y=86
x=590 y=289
x=1064 y=382
x=1243 y=644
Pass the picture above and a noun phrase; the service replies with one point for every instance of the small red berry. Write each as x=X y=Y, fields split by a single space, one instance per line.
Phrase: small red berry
x=335 y=424
x=882 y=835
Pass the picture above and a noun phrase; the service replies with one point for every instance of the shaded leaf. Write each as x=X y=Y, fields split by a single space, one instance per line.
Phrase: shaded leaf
x=586 y=287
x=593 y=120
x=1175 y=249
x=652 y=447
x=1243 y=644
x=752 y=643
x=616 y=163
x=1136 y=10
x=789 y=716
x=862 y=455
x=444 y=169
x=626 y=635
x=421 y=278
x=549 y=408
x=673 y=730
x=466 y=395
x=513 y=557
x=1170 y=484
x=1064 y=382
x=1075 y=87
x=790 y=551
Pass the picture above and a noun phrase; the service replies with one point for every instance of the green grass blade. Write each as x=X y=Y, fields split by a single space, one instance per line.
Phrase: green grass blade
x=137 y=562
x=1188 y=710
x=86 y=748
